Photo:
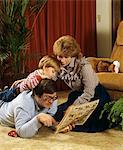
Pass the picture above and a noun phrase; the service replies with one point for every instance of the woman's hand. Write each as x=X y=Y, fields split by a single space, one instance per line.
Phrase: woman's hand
x=46 y=119
x=68 y=128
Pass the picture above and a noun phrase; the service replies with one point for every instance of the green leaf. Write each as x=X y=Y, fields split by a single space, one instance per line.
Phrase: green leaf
x=24 y=5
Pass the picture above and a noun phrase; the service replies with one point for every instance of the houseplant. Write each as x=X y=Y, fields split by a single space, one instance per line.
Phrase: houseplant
x=13 y=30
x=114 y=110
x=14 y=36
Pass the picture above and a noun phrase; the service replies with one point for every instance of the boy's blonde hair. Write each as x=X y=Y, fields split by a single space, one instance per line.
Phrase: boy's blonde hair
x=66 y=46
x=49 y=61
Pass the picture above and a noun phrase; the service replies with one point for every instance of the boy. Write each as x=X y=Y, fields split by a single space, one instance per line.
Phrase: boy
x=48 y=68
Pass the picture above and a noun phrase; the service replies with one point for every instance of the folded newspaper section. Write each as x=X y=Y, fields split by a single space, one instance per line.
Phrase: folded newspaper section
x=77 y=114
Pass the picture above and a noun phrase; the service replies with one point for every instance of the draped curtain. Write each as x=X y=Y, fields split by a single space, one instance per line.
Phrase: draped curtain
x=61 y=17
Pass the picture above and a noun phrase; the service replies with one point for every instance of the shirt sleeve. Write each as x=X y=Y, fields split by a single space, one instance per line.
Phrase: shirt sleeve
x=31 y=81
x=25 y=125
x=53 y=108
x=90 y=81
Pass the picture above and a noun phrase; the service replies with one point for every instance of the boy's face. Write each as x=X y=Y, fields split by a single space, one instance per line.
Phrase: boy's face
x=50 y=72
x=46 y=100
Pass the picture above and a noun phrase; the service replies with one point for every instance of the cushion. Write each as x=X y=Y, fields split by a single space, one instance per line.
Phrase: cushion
x=112 y=81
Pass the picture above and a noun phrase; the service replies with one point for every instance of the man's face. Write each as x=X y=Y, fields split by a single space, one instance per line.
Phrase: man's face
x=46 y=100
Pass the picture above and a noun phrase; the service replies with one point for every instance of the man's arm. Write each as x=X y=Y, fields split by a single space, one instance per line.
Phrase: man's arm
x=53 y=108
x=26 y=125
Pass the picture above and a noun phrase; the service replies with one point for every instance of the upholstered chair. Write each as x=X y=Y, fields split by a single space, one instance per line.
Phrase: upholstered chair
x=113 y=82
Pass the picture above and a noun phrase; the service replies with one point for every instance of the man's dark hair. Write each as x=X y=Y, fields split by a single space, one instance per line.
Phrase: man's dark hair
x=45 y=86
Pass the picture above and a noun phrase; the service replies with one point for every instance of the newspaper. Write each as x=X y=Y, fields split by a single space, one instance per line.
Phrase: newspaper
x=77 y=114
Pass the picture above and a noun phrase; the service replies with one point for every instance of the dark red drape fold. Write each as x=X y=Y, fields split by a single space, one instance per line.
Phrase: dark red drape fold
x=62 y=17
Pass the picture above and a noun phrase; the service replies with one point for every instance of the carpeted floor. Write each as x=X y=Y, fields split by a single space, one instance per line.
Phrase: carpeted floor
x=47 y=140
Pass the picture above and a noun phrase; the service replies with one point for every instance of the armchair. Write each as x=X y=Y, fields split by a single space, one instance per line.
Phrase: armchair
x=113 y=82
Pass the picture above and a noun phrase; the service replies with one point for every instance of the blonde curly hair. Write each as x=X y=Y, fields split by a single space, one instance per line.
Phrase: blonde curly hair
x=66 y=46
x=49 y=61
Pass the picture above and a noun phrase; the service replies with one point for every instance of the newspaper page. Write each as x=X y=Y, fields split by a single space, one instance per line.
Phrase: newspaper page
x=77 y=114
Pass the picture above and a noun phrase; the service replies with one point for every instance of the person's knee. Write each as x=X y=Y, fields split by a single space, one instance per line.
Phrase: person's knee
x=73 y=96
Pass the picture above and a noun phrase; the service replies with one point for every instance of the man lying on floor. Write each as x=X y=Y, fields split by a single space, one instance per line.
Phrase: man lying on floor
x=30 y=109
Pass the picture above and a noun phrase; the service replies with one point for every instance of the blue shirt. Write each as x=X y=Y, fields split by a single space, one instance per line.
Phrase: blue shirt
x=21 y=113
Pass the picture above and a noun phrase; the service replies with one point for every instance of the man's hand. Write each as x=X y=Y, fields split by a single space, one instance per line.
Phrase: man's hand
x=46 y=119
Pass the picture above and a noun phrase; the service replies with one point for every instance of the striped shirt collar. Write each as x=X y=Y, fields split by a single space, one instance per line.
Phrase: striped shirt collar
x=72 y=63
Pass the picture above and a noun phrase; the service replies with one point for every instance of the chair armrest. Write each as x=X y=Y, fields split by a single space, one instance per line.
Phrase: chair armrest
x=94 y=61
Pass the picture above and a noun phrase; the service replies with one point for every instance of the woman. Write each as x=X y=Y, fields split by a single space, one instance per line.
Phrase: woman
x=78 y=74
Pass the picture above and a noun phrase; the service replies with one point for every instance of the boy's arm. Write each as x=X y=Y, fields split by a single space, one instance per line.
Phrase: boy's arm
x=16 y=83
x=31 y=81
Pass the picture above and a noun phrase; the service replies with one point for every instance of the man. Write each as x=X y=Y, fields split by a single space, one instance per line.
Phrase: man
x=30 y=110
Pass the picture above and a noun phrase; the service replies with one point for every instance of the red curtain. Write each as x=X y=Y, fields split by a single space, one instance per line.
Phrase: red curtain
x=62 y=17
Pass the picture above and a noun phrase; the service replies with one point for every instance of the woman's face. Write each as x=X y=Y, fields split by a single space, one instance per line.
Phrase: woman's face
x=64 y=60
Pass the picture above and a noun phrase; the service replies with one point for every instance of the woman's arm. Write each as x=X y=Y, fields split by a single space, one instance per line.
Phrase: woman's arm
x=90 y=81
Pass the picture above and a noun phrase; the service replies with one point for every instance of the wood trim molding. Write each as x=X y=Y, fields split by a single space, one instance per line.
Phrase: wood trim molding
x=116 y=18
